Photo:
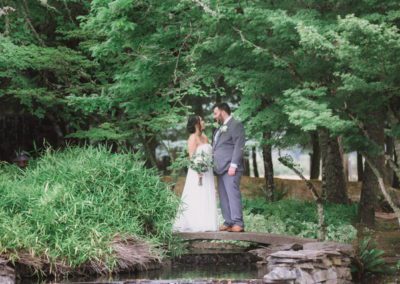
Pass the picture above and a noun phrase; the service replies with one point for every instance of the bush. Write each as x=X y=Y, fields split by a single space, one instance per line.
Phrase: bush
x=71 y=206
x=295 y=217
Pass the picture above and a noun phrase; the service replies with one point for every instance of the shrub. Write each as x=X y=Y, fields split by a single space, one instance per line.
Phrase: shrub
x=72 y=207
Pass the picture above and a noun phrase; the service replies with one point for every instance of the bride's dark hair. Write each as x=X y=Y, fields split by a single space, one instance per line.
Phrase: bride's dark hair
x=193 y=120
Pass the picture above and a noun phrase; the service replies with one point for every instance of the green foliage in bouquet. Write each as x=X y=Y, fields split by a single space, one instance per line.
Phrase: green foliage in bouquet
x=201 y=163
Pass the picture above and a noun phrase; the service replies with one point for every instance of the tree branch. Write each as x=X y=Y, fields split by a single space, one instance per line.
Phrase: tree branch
x=4 y=12
x=393 y=120
x=388 y=158
x=376 y=172
x=206 y=8
x=383 y=187
x=25 y=10
x=179 y=53
x=68 y=10
x=288 y=162
x=290 y=67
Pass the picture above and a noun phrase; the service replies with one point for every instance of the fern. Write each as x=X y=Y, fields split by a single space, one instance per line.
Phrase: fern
x=368 y=260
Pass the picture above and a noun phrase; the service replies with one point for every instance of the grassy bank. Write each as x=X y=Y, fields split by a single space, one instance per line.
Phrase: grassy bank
x=84 y=209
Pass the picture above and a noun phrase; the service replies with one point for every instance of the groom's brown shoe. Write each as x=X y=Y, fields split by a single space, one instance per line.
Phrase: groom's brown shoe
x=236 y=229
x=224 y=228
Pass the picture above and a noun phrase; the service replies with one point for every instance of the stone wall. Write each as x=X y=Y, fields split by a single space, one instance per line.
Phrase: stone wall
x=318 y=262
x=7 y=273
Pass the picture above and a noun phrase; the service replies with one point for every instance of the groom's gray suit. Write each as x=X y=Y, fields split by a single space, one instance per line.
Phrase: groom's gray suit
x=228 y=149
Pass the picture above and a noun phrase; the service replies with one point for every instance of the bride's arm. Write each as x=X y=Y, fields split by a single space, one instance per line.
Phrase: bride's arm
x=192 y=145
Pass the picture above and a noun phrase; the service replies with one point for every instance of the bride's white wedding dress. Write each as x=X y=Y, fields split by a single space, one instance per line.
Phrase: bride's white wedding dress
x=198 y=211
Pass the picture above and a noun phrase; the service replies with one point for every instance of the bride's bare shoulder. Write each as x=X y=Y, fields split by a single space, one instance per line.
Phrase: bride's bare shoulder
x=204 y=138
x=192 y=137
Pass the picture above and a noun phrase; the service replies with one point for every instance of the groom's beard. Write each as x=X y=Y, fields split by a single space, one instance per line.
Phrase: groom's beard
x=219 y=121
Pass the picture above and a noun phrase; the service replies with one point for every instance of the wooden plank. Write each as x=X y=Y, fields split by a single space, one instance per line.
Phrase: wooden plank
x=260 y=238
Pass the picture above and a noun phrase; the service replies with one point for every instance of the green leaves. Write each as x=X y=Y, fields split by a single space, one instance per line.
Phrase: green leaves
x=143 y=44
x=104 y=132
x=291 y=67
x=309 y=109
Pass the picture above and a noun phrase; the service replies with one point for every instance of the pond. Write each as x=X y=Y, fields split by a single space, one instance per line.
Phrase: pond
x=203 y=272
x=215 y=260
x=173 y=272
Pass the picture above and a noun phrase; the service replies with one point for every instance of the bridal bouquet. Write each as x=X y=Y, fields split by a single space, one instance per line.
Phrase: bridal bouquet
x=200 y=163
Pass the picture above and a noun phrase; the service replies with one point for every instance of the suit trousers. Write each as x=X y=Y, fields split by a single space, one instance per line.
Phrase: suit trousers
x=230 y=198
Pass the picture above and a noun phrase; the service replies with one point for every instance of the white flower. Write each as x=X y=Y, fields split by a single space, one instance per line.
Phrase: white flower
x=198 y=159
x=224 y=128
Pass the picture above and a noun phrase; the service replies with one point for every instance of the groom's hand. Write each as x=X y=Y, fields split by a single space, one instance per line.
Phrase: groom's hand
x=231 y=171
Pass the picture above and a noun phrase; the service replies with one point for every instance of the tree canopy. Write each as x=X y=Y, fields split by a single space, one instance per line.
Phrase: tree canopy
x=128 y=72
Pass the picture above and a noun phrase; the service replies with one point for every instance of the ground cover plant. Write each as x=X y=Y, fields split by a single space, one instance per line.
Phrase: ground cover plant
x=296 y=217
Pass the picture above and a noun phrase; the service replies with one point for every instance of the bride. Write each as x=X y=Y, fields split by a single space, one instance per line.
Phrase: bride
x=198 y=211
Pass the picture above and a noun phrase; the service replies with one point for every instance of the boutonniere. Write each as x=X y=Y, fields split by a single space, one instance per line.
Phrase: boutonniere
x=224 y=128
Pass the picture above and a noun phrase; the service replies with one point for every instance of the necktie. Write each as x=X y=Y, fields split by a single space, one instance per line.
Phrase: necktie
x=217 y=134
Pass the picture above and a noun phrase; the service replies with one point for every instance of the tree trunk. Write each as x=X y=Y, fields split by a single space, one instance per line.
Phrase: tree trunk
x=382 y=186
x=268 y=168
x=396 y=182
x=150 y=145
x=397 y=149
x=246 y=164
x=334 y=187
x=254 y=158
x=315 y=156
x=57 y=129
x=368 y=197
x=345 y=159
x=394 y=121
x=197 y=106
x=360 y=167
x=374 y=127
x=389 y=173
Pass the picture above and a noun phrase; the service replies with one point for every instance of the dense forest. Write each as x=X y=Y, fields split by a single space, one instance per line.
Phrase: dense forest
x=320 y=74
x=90 y=90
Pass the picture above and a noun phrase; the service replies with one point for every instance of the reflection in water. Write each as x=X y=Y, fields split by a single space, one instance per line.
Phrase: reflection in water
x=203 y=272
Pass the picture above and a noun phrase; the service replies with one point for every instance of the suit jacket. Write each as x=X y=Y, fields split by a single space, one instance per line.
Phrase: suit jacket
x=229 y=147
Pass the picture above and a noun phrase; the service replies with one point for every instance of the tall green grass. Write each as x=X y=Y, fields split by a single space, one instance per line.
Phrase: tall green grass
x=68 y=207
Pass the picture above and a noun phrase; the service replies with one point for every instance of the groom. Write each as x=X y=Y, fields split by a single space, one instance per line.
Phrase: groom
x=228 y=146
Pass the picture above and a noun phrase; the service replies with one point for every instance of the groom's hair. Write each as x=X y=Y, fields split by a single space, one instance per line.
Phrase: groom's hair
x=223 y=106
x=193 y=120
